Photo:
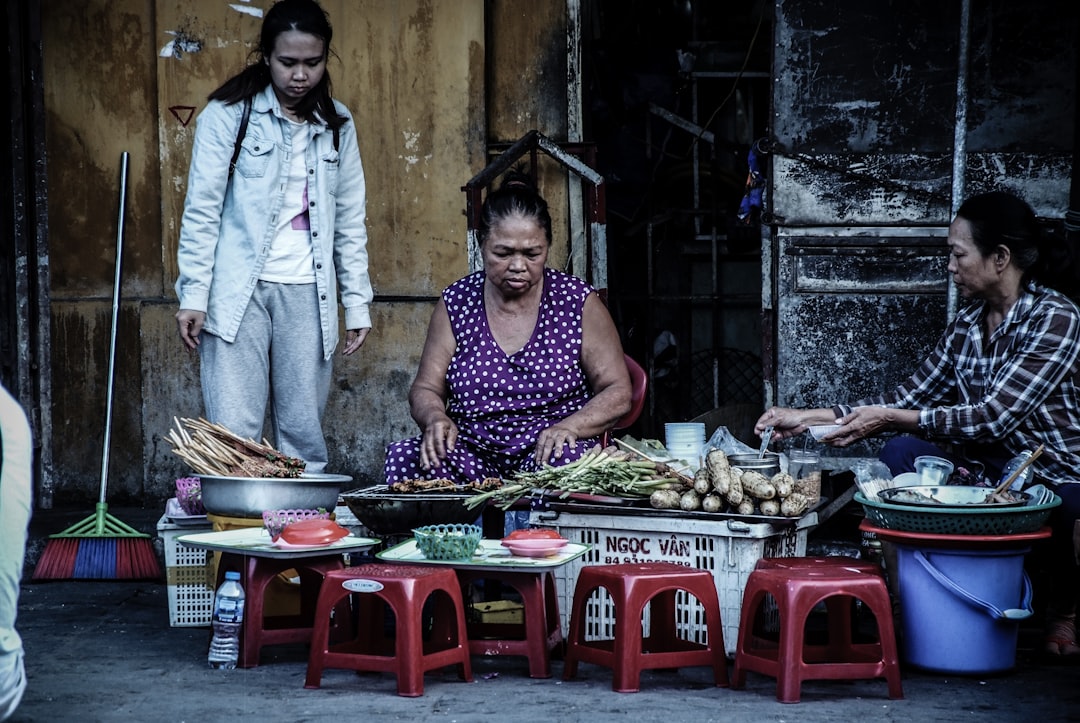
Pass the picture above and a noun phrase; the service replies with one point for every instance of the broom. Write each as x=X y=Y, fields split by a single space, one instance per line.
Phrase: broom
x=101 y=546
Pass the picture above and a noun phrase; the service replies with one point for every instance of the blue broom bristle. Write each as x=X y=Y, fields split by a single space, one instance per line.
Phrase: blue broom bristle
x=96 y=559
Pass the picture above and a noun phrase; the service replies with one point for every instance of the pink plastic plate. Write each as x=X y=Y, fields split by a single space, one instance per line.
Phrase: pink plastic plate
x=534 y=548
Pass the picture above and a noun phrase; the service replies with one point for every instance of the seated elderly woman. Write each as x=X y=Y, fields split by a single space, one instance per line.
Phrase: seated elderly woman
x=1002 y=379
x=522 y=364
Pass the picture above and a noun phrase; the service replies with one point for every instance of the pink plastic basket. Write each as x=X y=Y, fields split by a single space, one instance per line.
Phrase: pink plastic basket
x=277 y=520
x=189 y=495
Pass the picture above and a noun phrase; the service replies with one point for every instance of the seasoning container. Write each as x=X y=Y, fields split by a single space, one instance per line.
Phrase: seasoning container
x=804 y=465
x=767 y=465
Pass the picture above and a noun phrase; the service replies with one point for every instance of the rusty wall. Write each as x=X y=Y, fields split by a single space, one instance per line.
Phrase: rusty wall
x=868 y=101
x=527 y=82
x=126 y=75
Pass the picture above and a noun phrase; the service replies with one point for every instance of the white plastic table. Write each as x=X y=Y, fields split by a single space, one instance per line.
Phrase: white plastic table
x=259 y=561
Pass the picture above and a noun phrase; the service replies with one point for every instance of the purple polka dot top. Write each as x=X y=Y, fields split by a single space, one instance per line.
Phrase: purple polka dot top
x=506 y=400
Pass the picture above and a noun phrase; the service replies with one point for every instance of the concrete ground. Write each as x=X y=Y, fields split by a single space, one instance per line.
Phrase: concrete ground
x=104 y=651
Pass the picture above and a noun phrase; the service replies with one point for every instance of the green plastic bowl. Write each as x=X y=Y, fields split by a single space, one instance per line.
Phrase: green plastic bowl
x=982 y=520
x=448 y=542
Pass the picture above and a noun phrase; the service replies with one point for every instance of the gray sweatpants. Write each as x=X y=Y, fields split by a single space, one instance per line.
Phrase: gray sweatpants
x=277 y=356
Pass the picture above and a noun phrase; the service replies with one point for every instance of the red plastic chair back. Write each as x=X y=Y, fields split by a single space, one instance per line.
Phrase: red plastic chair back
x=639 y=383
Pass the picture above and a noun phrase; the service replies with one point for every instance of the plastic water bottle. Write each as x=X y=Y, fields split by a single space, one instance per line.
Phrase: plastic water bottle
x=1025 y=477
x=227 y=619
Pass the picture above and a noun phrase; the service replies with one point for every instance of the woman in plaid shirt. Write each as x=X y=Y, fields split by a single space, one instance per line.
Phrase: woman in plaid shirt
x=1003 y=378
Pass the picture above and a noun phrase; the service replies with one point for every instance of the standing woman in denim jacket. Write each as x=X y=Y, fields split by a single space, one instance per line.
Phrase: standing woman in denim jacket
x=266 y=246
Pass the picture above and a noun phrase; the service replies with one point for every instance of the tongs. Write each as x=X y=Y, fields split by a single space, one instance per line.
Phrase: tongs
x=766 y=437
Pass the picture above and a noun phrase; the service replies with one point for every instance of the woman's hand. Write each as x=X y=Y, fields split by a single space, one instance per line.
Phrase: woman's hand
x=553 y=441
x=439 y=437
x=354 y=339
x=190 y=323
x=785 y=422
x=865 y=422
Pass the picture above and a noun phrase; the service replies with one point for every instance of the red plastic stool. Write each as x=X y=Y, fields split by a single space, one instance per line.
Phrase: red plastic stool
x=837 y=607
x=632 y=587
x=256 y=574
x=537 y=636
x=791 y=661
x=405 y=588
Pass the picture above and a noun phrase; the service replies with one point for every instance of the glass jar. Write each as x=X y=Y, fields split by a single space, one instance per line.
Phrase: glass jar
x=804 y=466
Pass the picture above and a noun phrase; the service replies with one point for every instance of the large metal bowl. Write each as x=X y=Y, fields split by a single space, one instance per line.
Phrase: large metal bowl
x=249 y=496
x=386 y=513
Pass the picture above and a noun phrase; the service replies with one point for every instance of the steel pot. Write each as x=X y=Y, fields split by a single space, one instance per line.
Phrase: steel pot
x=386 y=513
x=768 y=465
x=249 y=496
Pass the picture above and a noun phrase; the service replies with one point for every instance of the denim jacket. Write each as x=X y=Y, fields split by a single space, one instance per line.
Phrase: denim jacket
x=228 y=224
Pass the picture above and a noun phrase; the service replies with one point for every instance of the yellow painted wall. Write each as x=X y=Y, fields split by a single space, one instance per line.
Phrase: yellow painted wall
x=412 y=72
x=430 y=83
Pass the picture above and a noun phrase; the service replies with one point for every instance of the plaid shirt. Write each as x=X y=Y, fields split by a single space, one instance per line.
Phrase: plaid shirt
x=1019 y=388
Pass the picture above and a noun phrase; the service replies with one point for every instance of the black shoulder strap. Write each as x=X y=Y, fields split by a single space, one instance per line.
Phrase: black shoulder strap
x=240 y=135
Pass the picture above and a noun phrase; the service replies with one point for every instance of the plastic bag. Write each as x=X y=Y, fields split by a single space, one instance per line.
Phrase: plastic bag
x=868 y=471
x=725 y=441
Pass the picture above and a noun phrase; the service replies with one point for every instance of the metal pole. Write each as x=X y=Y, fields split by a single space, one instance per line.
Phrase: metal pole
x=960 y=135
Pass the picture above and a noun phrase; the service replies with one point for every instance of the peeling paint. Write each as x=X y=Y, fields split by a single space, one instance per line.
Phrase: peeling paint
x=180 y=44
x=247 y=10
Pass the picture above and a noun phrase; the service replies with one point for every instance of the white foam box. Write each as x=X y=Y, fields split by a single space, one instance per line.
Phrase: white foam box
x=728 y=547
x=189 y=574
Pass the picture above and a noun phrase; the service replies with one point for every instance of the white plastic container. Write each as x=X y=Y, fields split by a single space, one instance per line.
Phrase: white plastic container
x=189 y=575
x=727 y=548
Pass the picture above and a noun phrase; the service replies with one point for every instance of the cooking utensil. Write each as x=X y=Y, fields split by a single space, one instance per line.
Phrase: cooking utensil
x=386 y=513
x=248 y=497
x=981 y=520
x=767 y=465
x=1009 y=480
x=948 y=496
x=766 y=437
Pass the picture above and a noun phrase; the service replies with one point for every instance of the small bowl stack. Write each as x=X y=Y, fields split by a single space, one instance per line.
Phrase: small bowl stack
x=448 y=542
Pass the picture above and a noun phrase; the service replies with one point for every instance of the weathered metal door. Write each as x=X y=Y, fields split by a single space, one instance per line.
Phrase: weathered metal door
x=886 y=115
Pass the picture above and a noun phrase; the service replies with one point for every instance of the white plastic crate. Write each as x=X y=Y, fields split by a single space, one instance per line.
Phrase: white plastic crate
x=189 y=575
x=728 y=548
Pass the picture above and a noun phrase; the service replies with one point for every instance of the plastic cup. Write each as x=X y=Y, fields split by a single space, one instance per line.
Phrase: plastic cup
x=684 y=433
x=933 y=470
x=685 y=440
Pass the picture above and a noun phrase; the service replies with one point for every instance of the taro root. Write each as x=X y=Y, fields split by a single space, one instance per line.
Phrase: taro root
x=712 y=503
x=690 y=501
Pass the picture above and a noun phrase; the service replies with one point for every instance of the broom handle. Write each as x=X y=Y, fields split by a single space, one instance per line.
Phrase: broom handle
x=112 y=333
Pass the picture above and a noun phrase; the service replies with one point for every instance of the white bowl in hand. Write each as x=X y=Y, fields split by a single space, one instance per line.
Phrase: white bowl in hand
x=818 y=431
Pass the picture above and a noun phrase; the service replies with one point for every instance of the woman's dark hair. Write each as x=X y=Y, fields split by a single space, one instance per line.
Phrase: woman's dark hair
x=306 y=16
x=998 y=218
x=516 y=196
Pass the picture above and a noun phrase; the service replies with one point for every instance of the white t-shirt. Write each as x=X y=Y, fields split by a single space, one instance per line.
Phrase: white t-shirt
x=15 y=492
x=291 y=260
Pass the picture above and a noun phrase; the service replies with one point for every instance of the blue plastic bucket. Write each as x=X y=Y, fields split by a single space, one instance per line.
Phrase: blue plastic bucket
x=960 y=608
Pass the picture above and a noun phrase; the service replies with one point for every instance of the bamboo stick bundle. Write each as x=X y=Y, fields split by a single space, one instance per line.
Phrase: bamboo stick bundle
x=211 y=449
